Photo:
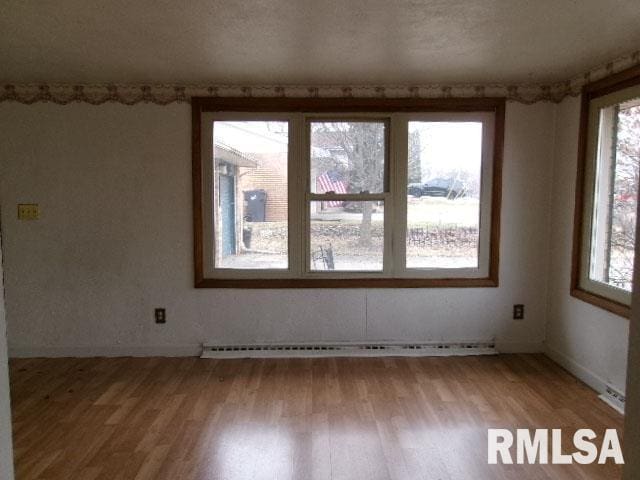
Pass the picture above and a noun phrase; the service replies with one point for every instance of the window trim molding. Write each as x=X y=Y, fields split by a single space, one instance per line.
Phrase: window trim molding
x=606 y=86
x=200 y=105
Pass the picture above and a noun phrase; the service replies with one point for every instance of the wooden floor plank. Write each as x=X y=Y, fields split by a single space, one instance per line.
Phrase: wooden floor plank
x=326 y=418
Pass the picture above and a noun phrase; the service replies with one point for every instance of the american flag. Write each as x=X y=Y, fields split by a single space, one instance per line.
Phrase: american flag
x=330 y=181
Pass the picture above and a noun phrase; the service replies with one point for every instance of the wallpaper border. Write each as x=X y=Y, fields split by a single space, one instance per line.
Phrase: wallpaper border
x=164 y=94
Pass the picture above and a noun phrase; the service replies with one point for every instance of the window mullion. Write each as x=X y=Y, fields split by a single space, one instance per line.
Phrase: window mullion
x=297 y=166
x=348 y=197
x=400 y=158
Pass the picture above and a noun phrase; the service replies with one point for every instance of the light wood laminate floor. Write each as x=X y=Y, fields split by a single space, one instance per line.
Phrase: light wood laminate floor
x=293 y=419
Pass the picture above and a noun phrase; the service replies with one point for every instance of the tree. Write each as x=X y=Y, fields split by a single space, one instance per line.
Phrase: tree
x=414 y=173
x=625 y=198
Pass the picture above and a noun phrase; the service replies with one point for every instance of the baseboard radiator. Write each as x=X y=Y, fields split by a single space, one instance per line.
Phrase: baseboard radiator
x=349 y=350
x=613 y=398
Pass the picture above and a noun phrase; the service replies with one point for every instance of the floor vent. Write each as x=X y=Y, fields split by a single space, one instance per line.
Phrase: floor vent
x=348 y=350
x=613 y=398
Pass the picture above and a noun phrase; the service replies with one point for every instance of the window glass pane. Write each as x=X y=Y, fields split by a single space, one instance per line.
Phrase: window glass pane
x=443 y=194
x=347 y=157
x=250 y=194
x=616 y=195
x=347 y=236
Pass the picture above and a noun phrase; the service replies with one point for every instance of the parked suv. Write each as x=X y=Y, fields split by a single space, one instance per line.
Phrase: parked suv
x=438 y=187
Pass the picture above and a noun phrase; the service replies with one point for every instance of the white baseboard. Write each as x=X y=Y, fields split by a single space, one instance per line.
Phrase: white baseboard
x=106 y=351
x=519 y=347
x=582 y=373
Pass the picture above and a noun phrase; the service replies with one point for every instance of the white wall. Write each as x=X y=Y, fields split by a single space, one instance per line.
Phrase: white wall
x=6 y=453
x=114 y=241
x=589 y=341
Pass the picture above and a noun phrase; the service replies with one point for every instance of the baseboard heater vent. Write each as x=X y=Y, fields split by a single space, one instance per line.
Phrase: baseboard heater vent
x=613 y=398
x=348 y=350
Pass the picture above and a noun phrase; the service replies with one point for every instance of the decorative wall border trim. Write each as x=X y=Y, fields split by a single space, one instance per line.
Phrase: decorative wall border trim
x=164 y=94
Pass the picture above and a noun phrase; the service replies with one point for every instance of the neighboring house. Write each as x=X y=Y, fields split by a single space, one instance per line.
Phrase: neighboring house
x=230 y=163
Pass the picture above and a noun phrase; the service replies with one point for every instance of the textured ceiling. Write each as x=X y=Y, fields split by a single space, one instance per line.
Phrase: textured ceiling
x=312 y=41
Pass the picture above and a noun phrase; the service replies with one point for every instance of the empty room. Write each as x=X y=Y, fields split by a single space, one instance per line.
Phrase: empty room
x=290 y=240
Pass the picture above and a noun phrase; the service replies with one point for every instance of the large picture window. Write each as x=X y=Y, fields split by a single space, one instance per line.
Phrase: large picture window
x=346 y=192
x=607 y=193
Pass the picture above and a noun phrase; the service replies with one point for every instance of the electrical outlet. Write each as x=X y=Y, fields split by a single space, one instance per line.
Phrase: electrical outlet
x=518 y=312
x=161 y=315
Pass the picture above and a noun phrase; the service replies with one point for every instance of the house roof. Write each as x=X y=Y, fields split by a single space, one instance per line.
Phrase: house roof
x=232 y=156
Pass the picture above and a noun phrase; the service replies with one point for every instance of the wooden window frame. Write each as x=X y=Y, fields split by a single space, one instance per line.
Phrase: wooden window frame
x=314 y=105
x=606 y=86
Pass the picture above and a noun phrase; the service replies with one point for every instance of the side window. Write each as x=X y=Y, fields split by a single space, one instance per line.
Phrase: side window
x=607 y=197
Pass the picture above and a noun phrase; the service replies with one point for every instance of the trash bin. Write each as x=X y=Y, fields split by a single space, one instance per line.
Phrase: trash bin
x=255 y=205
